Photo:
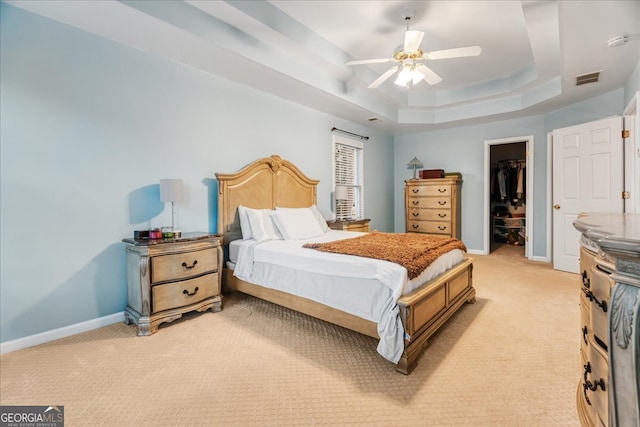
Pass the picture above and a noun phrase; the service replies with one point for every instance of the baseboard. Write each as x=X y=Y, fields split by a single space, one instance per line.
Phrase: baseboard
x=475 y=252
x=540 y=259
x=54 y=334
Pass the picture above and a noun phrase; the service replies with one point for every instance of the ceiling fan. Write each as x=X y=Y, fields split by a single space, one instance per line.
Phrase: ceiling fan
x=410 y=70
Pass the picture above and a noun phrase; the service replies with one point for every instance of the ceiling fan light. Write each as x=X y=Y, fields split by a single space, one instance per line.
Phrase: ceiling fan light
x=417 y=76
x=404 y=76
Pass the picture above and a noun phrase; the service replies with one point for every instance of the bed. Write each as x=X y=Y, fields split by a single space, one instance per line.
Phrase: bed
x=404 y=319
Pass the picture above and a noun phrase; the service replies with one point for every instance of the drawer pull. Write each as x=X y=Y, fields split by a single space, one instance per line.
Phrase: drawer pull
x=585 y=280
x=442 y=203
x=592 y=297
x=442 y=227
x=415 y=202
x=190 y=294
x=441 y=215
x=588 y=385
x=415 y=226
x=415 y=213
x=442 y=190
x=594 y=386
x=189 y=267
x=585 y=331
x=415 y=190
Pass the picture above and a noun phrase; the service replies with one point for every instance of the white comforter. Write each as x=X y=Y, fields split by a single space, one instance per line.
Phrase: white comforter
x=371 y=288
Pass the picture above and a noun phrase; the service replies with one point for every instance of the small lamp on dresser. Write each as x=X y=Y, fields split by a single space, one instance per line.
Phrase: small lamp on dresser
x=414 y=164
x=171 y=190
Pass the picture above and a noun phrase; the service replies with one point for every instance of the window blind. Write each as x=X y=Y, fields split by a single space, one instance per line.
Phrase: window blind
x=349 y=172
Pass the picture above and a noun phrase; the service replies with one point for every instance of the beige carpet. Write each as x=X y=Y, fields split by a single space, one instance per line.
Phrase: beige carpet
x=511 y=359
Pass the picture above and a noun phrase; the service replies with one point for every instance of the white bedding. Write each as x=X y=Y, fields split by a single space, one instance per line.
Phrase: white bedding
x=364 y=287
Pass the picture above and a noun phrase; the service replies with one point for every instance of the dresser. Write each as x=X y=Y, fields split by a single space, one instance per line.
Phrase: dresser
x=169 y=277
x=433 y=206
x=350 y=225
x=609 y=377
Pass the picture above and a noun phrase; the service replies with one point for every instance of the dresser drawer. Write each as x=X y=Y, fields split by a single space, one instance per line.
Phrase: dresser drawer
x=185 y=292
x=183 y=265
x=430 y=190
x=442 y=215
x=430 y=202
x=596 y=378
x=430 y=227
x=585 y=323
x=601 y=285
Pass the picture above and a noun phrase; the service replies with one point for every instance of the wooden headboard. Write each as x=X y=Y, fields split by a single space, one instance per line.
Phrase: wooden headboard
x=264 y=184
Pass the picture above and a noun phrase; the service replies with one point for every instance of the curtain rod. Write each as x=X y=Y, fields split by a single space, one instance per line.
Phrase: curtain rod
x=334 y=129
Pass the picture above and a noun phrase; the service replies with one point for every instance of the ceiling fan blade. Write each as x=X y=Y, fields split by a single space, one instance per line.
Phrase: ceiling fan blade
x=412 y=40
x=391 y=71
x=429 y=76
x=455 y=53
x=369 y=61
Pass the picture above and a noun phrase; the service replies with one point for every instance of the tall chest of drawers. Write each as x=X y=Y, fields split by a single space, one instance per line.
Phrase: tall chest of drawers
x=609 y=384
x=432 y=206
x=167 y=278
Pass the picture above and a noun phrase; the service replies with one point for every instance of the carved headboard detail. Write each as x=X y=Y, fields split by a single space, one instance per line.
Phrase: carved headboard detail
x=264 y=184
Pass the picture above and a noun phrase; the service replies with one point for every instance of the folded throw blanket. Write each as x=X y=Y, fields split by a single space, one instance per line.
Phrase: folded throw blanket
x=413 y=251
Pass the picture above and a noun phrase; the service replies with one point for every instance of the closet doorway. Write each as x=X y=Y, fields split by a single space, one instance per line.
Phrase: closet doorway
x=508 y=195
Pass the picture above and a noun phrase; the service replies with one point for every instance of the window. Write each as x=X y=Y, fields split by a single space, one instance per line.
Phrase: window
x=348 y=170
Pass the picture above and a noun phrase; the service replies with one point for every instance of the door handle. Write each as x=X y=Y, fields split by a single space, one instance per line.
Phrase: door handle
x=556 y=207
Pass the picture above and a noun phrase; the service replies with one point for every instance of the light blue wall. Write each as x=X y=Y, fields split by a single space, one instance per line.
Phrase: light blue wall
x=89 y=127
x=461 y=149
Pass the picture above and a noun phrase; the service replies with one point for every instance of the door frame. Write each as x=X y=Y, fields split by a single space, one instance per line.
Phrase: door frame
x=529 y=147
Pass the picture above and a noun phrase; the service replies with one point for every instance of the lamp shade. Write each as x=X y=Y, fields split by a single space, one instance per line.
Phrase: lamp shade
x=171 y=190
x=341 y=192
x=414 y=163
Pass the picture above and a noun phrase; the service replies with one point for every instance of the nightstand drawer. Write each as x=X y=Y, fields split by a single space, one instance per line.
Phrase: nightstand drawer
x=180 y=294
x=183 y=265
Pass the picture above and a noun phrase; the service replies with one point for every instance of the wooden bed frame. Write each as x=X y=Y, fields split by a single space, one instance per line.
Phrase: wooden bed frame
x=273 y=181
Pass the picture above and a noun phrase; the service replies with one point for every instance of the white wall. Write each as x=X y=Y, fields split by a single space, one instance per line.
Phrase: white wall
x=89 y=127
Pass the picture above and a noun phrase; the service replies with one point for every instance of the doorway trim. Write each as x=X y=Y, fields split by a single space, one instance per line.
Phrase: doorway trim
x=529 y=145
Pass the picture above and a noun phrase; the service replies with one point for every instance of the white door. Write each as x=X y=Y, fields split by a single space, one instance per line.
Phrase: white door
x=587 y=177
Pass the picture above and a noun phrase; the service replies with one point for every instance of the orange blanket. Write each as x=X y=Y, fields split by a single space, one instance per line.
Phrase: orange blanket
x=413 y=251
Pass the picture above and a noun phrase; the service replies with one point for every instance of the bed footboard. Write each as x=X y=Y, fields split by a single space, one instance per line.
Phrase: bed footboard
x=427 y=308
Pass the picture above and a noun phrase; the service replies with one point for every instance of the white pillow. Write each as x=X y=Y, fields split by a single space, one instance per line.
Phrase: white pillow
x=316 y=212
x=245 y=227
x=262 y=226
x=296 y=224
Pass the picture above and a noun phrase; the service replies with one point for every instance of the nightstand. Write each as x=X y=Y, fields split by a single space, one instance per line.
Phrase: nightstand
x=350 y=224
x=169 y=277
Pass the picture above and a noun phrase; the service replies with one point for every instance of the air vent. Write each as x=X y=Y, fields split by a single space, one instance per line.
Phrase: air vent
x=588 y=78
x=373 y=119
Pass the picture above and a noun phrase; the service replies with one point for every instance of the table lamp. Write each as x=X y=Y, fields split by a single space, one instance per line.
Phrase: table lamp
x=340 y=194
x=414 y=164
x=171 y=191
